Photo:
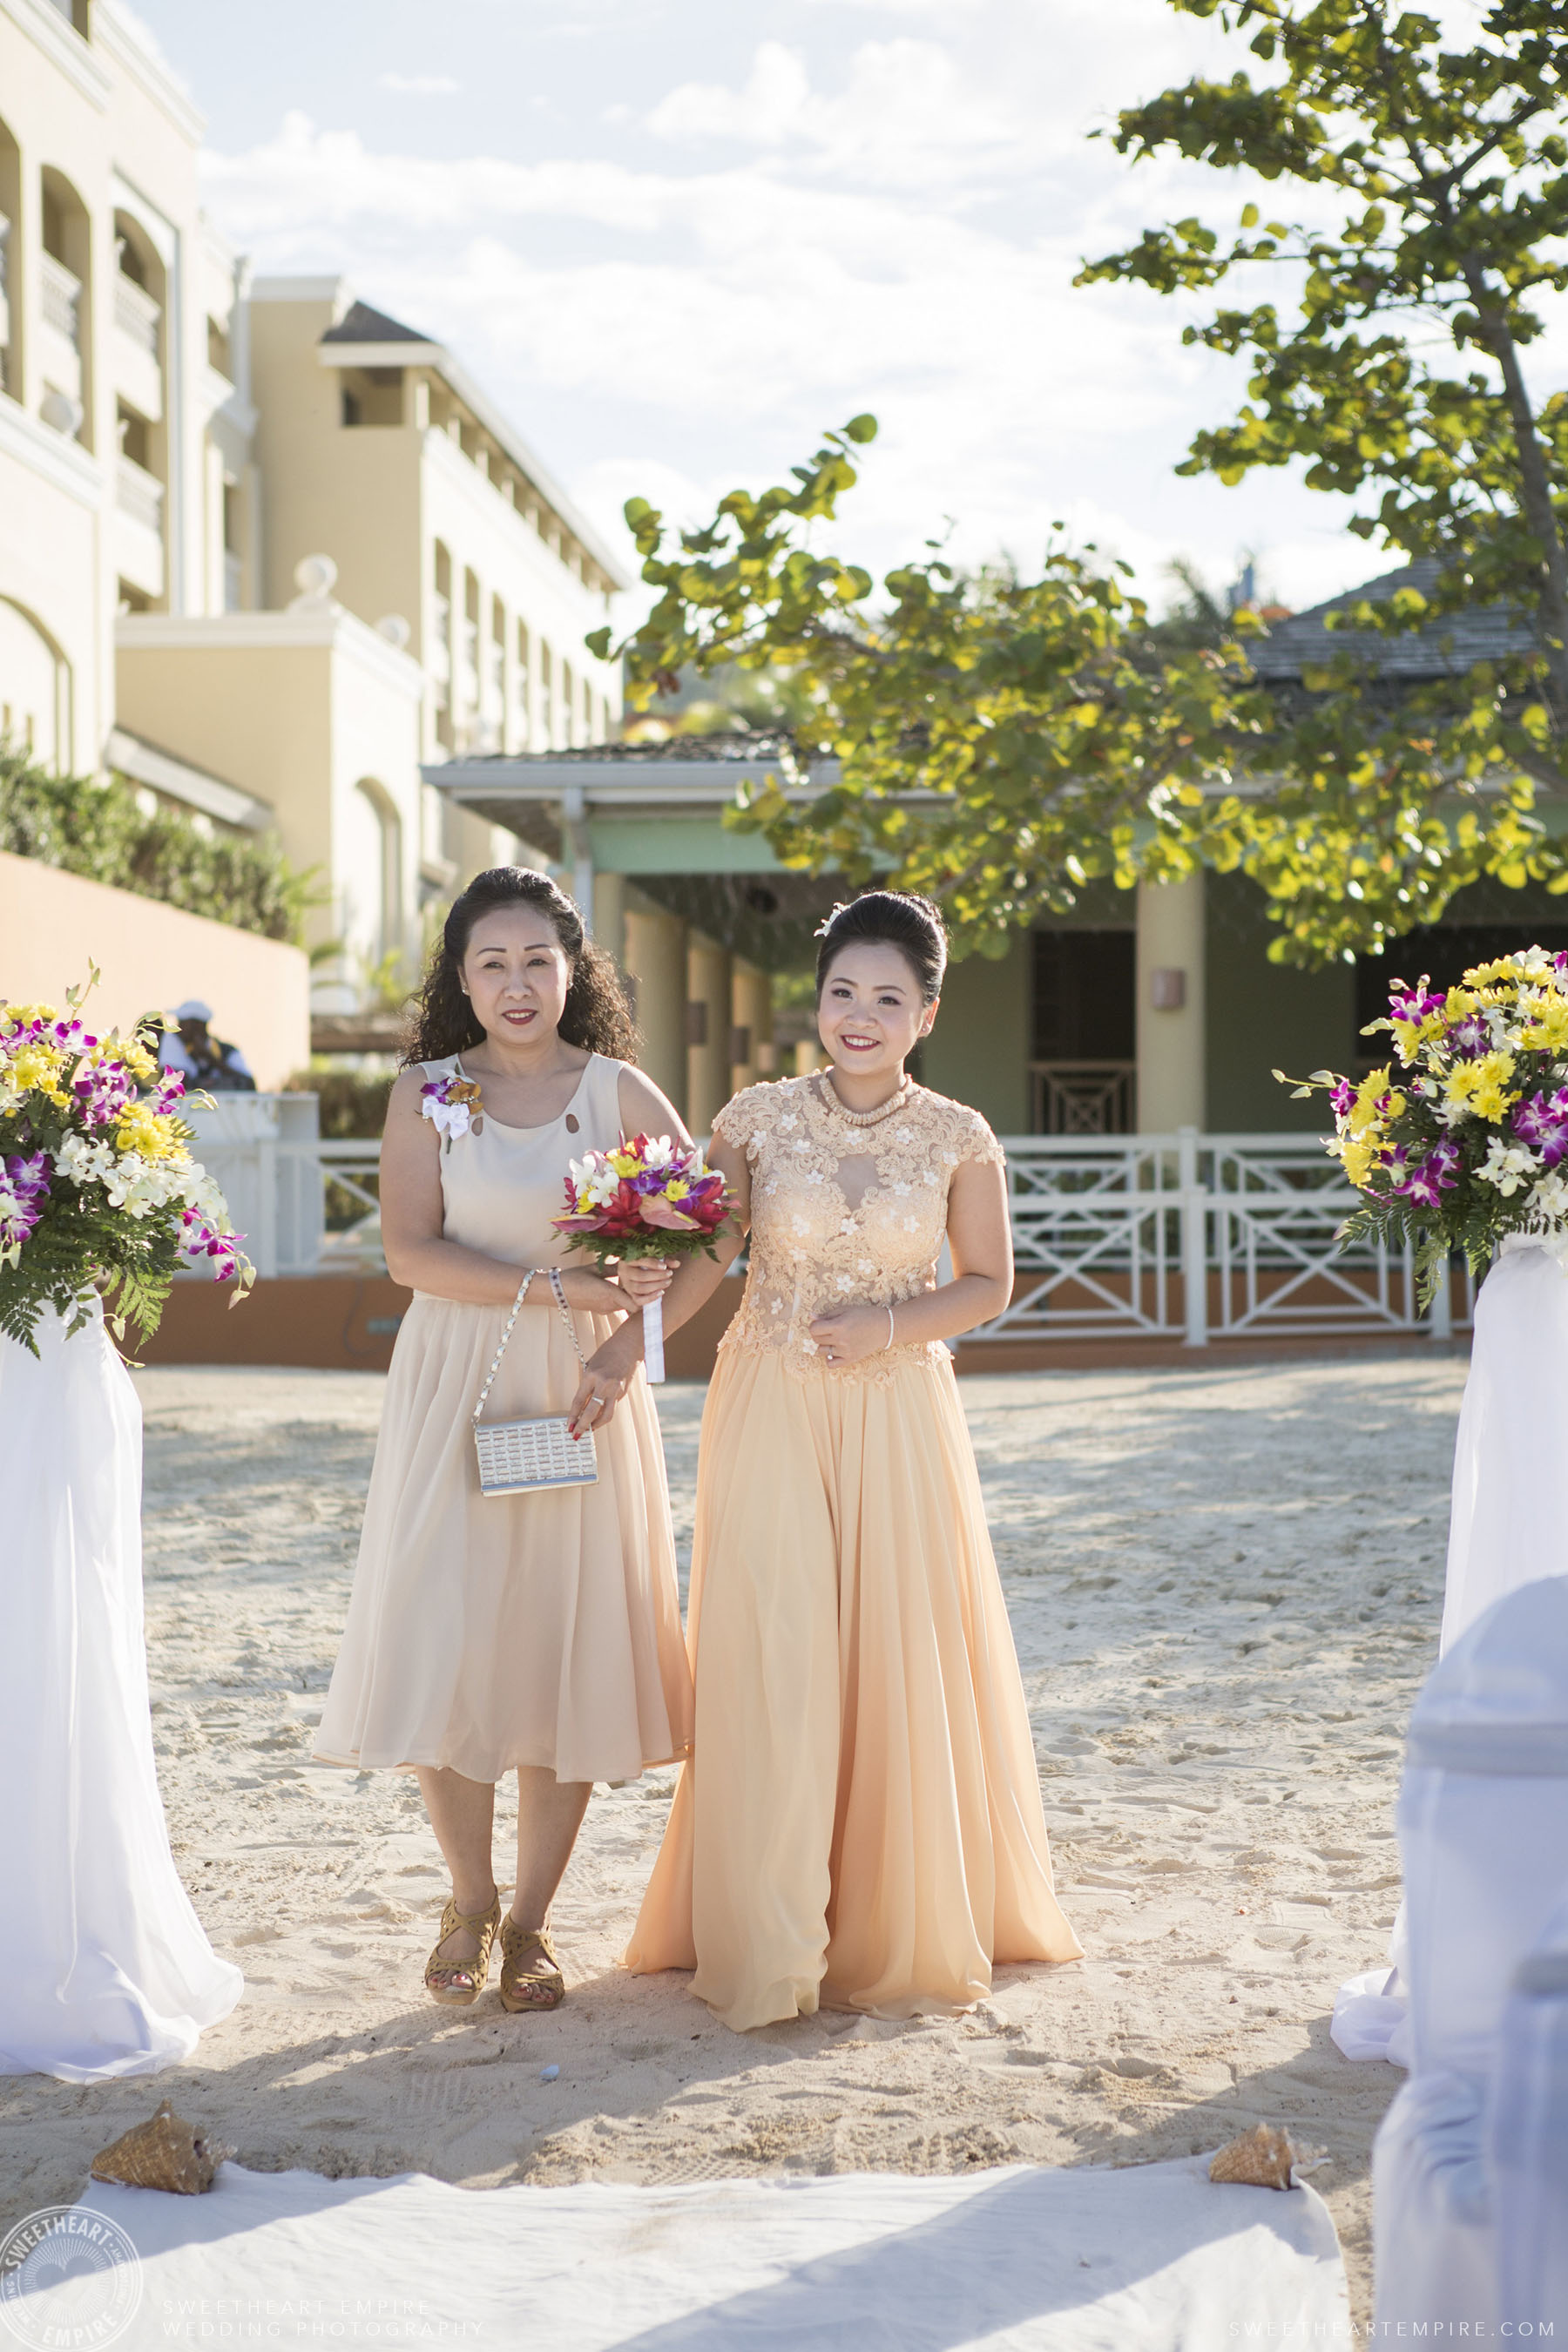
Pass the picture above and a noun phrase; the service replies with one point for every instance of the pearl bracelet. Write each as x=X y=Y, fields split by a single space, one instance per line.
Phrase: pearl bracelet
x=889 y=1341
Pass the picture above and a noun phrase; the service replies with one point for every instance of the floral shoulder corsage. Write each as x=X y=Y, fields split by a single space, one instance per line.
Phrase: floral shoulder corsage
x=453 y=1104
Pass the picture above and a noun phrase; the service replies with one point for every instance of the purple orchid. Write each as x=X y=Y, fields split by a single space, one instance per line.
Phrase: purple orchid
x=198 y=1240
x=23 y=1185
x=1407 y=1004
x=1470 y=1037
x=1426 y=1179
x=1541 y=1122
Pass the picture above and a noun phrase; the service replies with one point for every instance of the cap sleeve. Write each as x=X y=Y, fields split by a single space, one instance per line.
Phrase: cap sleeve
x=975 y=1140
x=742 y=1118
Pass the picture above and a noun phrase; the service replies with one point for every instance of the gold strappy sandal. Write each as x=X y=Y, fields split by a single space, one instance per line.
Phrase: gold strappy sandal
x=482 y=1924
x=523 y=1988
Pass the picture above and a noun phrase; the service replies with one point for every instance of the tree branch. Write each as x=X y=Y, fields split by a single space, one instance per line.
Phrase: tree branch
x=1539 y=511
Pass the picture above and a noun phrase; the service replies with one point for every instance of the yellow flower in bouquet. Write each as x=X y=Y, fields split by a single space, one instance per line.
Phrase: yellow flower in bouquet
x=1481 y=1087
x=1474 y=1145
x=99 y=1198
x=1545 y=1027
x=140 y=1129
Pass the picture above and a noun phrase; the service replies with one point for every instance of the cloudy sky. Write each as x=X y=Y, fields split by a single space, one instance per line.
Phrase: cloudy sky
x=676 y=239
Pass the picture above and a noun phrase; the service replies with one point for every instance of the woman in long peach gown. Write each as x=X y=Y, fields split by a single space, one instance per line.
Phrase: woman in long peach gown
x=859 y=1824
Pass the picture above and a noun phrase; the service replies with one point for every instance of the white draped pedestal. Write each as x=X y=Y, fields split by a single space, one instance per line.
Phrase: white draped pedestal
x=105 y=1968
x=1507 y=1526
x=1483 y=1835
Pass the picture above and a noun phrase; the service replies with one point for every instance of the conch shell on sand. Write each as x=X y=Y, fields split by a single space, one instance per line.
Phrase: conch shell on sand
x=1261 y=2159
x=165 y=2152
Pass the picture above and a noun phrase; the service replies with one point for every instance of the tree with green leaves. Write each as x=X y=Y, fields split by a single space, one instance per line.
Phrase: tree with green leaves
x=1000 y=742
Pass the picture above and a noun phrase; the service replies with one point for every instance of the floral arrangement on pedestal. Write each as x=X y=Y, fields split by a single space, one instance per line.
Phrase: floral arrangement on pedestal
x=648 y=1198
x=99 y=1197
x=1462 y=1139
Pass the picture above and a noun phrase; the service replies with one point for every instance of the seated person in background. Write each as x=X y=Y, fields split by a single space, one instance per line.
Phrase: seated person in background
x=207 y=1061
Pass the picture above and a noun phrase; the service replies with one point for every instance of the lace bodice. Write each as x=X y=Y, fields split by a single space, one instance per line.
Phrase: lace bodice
x=842 y=1215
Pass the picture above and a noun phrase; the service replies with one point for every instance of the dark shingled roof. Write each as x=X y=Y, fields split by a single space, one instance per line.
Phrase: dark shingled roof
x=673 y=749
x=360 y=324
x=1444 y=647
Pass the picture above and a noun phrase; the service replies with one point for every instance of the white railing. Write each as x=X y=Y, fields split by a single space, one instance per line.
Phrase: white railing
x=1083 y=1097
x=1192 y=1237
x=138 y=493
x=136 y=314
x=1187 y=1238
x=61 y=291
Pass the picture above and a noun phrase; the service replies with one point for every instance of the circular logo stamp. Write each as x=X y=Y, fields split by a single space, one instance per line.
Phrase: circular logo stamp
x=68 y=2275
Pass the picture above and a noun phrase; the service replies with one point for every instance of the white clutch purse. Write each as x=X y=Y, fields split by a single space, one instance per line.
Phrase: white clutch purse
x=517 y=1457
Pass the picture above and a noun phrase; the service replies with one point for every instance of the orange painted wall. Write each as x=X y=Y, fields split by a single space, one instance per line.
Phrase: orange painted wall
x=150 y=956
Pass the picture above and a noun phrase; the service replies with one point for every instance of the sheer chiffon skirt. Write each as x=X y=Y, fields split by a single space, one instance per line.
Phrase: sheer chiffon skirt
x=486 y=1631
x=859 y=1824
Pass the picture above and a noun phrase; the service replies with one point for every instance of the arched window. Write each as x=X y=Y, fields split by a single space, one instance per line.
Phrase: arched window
x=522 y=714
x=10 y=289
x=373 y=869
x=64 y=340
x=438 y=650
x=35 y=689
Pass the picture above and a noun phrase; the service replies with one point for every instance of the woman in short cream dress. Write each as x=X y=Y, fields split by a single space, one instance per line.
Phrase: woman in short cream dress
x=860 y=1822
x=536 y=1633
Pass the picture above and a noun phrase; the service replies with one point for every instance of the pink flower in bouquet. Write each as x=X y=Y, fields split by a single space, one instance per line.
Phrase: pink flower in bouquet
x=647 y=1184
x=648 y=1198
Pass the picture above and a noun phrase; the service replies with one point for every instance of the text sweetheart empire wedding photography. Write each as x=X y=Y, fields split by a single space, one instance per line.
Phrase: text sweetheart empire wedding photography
x=783 y=1202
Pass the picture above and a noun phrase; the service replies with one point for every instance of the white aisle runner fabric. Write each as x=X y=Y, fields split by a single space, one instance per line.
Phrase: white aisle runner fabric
x=106 y=1969
x=1154 y=2258
x=1506 y=1525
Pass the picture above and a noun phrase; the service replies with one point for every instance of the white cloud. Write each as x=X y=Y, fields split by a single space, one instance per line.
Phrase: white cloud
x=904 y=117
x=418 y=85
x=904 y=7
x=896 y=230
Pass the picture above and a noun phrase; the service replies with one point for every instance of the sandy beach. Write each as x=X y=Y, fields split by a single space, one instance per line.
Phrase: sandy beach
x=1225 y=1584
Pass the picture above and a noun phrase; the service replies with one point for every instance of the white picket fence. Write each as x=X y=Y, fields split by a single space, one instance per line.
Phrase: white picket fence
x=1196 y=1237
x=1187 y=1237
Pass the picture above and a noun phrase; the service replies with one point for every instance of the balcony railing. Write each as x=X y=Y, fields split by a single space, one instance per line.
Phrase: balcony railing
x=233 y=582
x=139 y=494
x=1083 y=1097
x=1185 y=1238
x=136 y=314
x=1189 y=1237
x=62 y=291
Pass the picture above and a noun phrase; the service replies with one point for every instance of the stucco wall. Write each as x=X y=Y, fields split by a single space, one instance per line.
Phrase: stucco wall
x=150 y=956
x=1264 y=1016
x=979 y=1050
x=300 y=724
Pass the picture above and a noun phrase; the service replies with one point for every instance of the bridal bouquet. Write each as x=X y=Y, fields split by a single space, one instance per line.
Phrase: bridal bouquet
x=1466 y=1139
x=99 y=1193
x=648 y=1198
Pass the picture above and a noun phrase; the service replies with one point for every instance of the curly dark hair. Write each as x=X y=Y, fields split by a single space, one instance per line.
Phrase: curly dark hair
x=597 y=1016
x=894 y=919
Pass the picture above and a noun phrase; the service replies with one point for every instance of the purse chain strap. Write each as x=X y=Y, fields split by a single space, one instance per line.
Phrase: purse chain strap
x=559 y=1287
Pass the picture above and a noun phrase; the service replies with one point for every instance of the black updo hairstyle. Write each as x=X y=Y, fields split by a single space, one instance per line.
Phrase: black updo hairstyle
x=597 y=1017
x=894 y=919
